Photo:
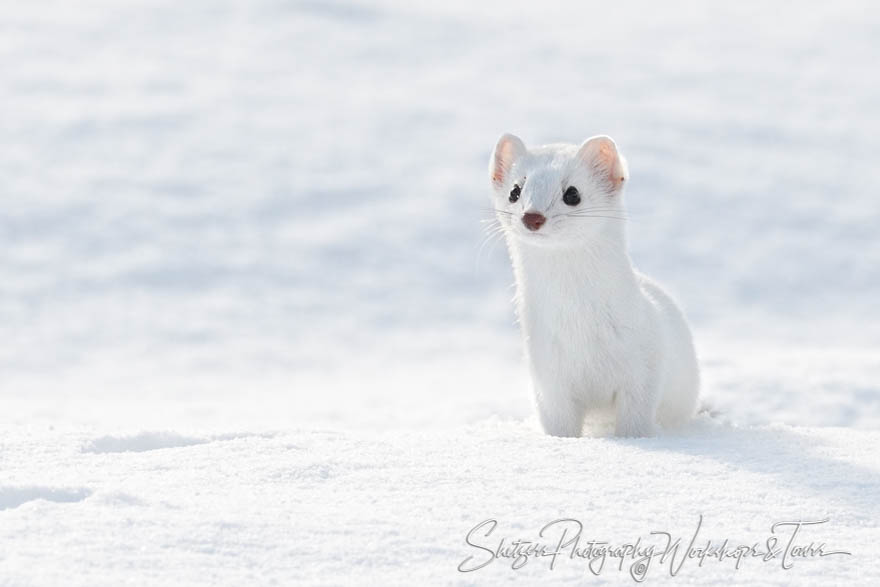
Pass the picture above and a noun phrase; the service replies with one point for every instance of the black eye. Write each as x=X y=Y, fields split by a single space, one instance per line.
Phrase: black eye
x=571 y=196
x=514 y=193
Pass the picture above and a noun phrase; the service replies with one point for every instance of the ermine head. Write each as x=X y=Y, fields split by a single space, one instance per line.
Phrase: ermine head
x=557 y=194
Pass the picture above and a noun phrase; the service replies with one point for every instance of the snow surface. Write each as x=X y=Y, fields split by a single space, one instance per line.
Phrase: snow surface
x=251 y=334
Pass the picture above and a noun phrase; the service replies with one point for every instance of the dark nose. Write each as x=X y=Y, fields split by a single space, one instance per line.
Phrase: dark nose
x=533 y=220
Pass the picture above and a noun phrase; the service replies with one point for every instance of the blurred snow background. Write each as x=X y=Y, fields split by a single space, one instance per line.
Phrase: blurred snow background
x=225 y=216
x=213 y=209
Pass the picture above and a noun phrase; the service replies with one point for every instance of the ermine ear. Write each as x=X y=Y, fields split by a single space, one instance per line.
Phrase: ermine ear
x=507 y=151
x=601 y=155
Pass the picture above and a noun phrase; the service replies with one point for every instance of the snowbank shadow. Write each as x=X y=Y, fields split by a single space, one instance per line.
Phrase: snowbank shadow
x=147 y=441
x=141 y=442
x=12 y=497
x=789 y=457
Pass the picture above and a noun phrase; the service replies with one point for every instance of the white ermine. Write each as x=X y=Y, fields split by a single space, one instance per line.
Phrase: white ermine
x=599 y=335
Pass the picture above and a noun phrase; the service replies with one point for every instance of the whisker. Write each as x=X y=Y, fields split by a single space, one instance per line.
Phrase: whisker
x=597 y=216
x=595 y=209
x=494 y=234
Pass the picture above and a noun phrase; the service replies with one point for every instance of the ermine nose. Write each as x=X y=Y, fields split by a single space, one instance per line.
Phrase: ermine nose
x=533 y=220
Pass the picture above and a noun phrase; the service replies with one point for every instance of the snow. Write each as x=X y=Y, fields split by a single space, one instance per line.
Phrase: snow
x=252 y=334
x=319 y=506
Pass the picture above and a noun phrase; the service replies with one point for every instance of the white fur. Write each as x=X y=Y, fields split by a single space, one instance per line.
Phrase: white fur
x=598 y=334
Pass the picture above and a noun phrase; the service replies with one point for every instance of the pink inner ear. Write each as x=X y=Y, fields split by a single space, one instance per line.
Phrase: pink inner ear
x=498 y=175
x=611 y=161
x=607 y=159
x=503 y=157
x=607 y=155
x=508 y=149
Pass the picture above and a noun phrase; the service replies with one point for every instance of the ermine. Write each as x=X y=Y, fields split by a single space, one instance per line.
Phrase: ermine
x=599 y=335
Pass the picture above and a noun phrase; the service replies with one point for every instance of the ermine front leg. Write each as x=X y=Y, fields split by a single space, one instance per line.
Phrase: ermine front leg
x=560 y=417
x=560 y=414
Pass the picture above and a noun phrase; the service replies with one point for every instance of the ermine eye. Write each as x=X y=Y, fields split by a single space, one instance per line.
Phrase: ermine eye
x=571 y=196
x=514 y=193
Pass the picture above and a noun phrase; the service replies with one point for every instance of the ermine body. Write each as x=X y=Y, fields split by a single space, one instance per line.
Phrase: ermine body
x=598 y=334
